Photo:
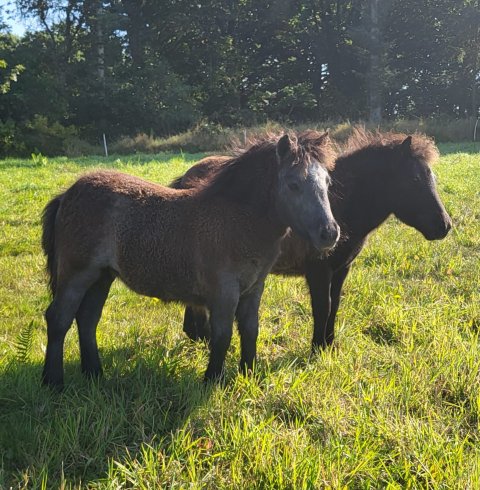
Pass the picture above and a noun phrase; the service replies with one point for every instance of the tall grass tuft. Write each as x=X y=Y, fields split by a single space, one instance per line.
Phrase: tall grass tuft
x=215 y=138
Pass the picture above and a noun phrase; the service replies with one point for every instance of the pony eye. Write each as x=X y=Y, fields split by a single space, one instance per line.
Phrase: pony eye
x=293 y=186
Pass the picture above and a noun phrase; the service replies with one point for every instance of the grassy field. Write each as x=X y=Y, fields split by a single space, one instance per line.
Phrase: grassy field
x=396 y=405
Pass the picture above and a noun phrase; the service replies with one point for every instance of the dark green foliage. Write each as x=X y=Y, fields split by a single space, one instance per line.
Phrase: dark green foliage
x=435 y=55
x=159 y=68
x=23 y=343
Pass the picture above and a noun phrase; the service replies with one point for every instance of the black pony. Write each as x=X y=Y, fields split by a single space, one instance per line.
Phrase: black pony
x=376 y=175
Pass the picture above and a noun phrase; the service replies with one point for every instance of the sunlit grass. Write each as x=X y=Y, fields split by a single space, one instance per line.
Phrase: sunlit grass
x=397 y=403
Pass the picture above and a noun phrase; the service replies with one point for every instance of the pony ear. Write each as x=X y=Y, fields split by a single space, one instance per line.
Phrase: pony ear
x=324 y=138
x=407 y=143
x=284 y=146
x=317 y=138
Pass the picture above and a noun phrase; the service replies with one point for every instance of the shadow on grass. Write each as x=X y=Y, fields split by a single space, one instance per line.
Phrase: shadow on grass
x=381 y=334
x=74 y=434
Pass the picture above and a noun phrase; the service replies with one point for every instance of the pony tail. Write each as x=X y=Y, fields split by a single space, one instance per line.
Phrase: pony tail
x=48 y=239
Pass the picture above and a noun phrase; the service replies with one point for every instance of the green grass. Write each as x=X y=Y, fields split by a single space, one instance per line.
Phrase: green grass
x=396 y=405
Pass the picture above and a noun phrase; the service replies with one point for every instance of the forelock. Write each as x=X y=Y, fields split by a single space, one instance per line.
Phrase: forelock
x=315 y=147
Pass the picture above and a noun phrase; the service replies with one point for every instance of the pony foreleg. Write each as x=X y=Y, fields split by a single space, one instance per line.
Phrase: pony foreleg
x=335 y=290
x=319 y=282
x=247 y=318
x=222 y=313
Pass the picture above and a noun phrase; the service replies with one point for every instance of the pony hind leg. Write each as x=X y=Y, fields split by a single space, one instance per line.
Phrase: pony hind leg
x=88 y=316
x=196 y=324
x=59 y=317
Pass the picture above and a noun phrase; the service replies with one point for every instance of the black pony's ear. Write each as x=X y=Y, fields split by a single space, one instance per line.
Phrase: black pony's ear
x=317 y=138
x=406 y=144
x=284 y=146
x=324 y=138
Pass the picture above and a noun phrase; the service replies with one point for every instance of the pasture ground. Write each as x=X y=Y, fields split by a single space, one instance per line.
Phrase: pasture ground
x=396 y=404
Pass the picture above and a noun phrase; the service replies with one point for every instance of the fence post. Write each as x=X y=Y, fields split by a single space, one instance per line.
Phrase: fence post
x=105 y=145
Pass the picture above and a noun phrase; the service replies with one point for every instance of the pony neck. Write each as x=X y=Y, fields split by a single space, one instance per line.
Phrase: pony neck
x=360 y=195
x=250 y=180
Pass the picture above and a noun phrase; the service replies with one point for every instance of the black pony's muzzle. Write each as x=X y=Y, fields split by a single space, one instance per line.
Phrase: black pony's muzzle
x=440 y=231
x=326 y=237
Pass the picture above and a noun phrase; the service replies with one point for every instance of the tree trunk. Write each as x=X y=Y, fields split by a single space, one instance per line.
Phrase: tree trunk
x=374 y=79
x=476 y=74
x=135 y=31
x=101 y=62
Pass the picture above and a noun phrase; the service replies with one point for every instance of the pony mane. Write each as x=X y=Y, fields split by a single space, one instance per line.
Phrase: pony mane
x=229 y=179
x=422 y=146
x=238 y=177
x=304 y=145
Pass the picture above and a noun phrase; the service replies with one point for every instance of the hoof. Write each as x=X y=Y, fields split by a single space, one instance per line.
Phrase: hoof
x=53 y=385
x=247 y=369
x=93 y=374
x=214 y=378
x=322 y=346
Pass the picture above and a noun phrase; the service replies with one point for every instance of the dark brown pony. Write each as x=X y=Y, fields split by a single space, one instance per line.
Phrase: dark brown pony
x=211 y=246
x=377 y=174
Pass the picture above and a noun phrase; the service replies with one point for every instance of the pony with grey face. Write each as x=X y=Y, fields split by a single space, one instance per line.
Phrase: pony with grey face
x=210 y=247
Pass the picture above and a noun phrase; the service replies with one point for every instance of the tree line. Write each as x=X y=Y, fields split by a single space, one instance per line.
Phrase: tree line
x=159 y=67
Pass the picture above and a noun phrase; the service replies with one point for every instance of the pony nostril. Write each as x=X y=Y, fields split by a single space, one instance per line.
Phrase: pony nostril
x=325 y=236
x=330 y=233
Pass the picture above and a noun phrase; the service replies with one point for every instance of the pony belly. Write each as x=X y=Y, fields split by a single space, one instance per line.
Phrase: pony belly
x=166 y=288
x=169 y=297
